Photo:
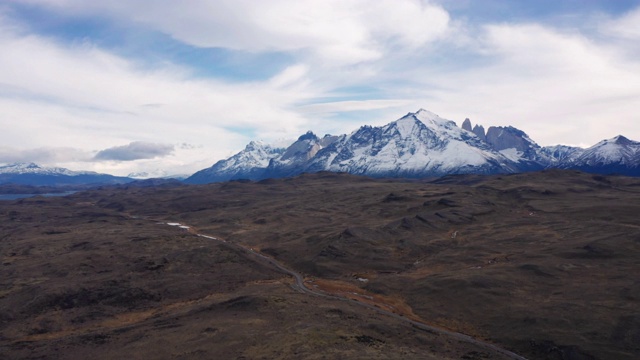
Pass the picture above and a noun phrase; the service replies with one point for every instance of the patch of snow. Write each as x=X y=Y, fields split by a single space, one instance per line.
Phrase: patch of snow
x=512 y=154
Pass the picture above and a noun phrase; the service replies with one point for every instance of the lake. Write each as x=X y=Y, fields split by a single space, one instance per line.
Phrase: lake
x=22 y=196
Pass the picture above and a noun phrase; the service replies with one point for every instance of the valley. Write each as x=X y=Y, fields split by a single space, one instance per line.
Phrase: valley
x=541 y=264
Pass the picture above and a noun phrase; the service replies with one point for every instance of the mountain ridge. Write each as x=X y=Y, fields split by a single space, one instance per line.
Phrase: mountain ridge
x=34 y=174
x=423 y=144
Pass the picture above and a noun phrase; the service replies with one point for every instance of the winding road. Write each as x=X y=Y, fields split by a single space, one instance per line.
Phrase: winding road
x=300 y=286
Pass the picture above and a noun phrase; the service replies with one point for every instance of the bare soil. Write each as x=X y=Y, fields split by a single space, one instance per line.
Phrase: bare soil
x=543 y=264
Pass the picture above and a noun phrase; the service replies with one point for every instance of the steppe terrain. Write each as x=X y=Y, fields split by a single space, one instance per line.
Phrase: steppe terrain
x=545 y=264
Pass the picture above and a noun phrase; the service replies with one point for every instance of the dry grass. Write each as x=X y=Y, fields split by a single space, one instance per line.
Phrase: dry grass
x=544 y=264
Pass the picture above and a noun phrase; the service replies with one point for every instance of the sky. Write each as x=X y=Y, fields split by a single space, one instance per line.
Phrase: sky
x=168 y=87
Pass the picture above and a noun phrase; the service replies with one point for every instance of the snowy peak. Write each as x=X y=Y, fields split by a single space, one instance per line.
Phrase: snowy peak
x=617 y=155
x=413 y=123
x=257 y=153
x=427 y=126
x=156 y=174
x=561 y=153
x=406 y=126
x=309 y=135
x=297 y=155
x=33 y=174
x=621 y=140
x=433 y=120
x=305 y=147
x=249 y=163
x=253 y=146
x=18 y=168
x=425 y=115
x=418 y=144
x=617 y=150
x=32 y=168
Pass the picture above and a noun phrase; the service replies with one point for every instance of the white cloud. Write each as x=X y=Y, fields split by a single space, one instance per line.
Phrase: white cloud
x=337 y=31
x=135 y=150
x=291 y=76
x=43 y=155
x=343 y=106
x=82 y=96
x=558 y=85
x=625 y=26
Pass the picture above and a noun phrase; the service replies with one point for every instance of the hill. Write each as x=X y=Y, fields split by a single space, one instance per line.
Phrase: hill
x=543 y=264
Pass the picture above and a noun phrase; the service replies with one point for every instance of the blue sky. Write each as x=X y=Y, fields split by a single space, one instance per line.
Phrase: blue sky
x=175 y=87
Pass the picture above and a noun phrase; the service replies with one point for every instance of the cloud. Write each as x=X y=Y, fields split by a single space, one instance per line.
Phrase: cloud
x=347 y=63
x=136 y=150
x=81 y=94
x=625 y=26
x=43 y=155
x=362 y=105
x=337 y=31
x=186 y=146
x=557 y=85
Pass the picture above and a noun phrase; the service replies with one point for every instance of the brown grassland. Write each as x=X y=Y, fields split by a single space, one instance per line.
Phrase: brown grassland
x=545 y=264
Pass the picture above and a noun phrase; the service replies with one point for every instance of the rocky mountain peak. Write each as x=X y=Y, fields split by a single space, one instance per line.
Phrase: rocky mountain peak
x=309 y=135
x=479 y=131
x=425 y=114
x=501 y=138
x=466 y=124
x=621 y=140
x=405 y=126
x=254 y=145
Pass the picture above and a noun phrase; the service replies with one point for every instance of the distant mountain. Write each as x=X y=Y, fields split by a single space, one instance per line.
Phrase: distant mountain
x=618 y=155
x=156 y=174
x=297 y=155
x=418 y=144
x=421 y=144
x=249 y=163
x=561 y=154
x=33 y=174
x=514 y=144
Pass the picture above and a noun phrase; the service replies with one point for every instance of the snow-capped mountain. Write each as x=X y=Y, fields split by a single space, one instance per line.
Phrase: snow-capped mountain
x=418 y=144
x=618 y=155
x=561 y=154
x=514 y=144
x=156 y=174
x=33 y=174
x=249 y=163
x=297 y=155
x=421 y=144
x=31 y=168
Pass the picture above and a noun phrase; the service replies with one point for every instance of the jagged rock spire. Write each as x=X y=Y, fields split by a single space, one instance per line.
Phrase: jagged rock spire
x=466 y=124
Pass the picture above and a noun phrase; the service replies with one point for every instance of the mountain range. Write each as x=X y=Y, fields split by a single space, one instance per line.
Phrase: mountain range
x=33 y=174
x=421 y=144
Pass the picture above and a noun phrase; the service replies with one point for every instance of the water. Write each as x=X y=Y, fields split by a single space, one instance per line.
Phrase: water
x=22 y=196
